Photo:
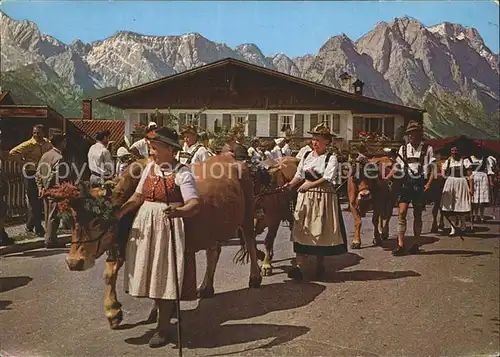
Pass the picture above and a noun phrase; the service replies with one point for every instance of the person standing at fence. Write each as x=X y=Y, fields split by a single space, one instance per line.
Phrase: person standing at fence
x=100 y=160
x=29 y=153
x=51 y=171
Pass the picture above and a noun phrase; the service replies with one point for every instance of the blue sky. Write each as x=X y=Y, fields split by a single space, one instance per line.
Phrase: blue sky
x=295 y=28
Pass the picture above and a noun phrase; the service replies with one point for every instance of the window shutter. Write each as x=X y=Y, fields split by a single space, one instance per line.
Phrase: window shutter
x=336 y=123
x=226 y=120
x=252 y=125
x=314 y=121
x=389 y=127
x=273 y=124
x=203 y=121
x=299 y=124
x=143 y=118
x=357 y=127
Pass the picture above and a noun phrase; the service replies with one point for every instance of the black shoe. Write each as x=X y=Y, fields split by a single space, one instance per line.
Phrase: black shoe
x=5 y=239
x=415 y=249
x=295 y=274
x=399 y=251
x=40 y=232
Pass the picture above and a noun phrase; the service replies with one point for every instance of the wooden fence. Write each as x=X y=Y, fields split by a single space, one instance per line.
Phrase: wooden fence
x=15 y=198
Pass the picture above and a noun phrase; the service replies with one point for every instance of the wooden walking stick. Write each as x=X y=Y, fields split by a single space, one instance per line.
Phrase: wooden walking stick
x=176 y=277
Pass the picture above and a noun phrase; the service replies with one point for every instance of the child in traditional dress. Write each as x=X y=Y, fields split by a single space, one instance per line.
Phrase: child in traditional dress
x=482 y=175
x=457 y=190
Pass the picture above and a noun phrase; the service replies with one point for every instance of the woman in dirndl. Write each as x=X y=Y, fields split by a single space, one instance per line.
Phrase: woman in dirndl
x=457 y=190
x=318 y=227
x=166 y=191
x=482 y=175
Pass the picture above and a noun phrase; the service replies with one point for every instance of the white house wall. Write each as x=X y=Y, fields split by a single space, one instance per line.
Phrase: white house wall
x=263 y=117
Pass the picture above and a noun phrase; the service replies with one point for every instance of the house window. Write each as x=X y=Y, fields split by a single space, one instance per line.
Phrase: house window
x=380 y=125
x=191 y=119
x=286 y=122
x=332 y=120
x=239 y=118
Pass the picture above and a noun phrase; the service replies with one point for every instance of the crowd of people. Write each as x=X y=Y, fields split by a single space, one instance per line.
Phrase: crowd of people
x=318 y=227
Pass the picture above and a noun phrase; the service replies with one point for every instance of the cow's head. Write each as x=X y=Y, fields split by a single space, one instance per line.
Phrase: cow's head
x=364 y=178
x=91 y=218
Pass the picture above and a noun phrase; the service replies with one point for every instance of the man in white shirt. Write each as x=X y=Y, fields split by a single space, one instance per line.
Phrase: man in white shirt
x=415 y=165
x=140 y=148
x=193 y=150
x=276 y=152
x=101 y=164
x=285 y=150
x=303 y=150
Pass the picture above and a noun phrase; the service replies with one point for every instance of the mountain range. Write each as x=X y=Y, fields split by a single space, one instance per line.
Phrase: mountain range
x=446 y=69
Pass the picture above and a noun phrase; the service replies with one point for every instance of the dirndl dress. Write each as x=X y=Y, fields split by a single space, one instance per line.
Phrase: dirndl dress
x=318 y=226
x=481 y=189
x=455 y=196
x=149 y=264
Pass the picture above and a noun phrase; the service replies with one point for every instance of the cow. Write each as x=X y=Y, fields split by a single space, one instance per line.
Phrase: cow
x=225 y=189
x=368 y=189
x=273 y=205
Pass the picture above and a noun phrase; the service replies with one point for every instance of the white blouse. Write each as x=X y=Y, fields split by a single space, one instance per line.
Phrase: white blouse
x=316 y=162
x=184 y=179
x=489 y=169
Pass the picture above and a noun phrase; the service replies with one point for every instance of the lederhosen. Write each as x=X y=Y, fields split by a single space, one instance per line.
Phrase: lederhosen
x=412 y=187
x=189 y=156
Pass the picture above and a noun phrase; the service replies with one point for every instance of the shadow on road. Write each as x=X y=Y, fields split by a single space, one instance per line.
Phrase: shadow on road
x=38 y=253
x=369 y=275
x=13 y=282
x=465 y=253
x=390 y=244
x=4 y=304
x=208 y=327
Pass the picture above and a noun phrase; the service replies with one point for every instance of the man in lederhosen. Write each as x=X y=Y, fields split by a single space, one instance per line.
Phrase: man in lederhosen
x=415 y=165
x=193 y=150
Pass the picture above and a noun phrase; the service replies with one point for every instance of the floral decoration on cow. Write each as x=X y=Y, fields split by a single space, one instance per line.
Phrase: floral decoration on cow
x=67 y=193
x=366 y=136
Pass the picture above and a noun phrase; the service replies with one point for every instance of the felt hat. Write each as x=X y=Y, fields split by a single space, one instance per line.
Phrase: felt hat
x=321 y=129
x=412 y=126
x=189 y=128
x=165 y=136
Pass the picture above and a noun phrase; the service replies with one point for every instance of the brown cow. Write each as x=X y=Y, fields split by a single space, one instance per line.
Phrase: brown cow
x=225 y=189
x=272 y=205
x=366 y=189
x=370 y=191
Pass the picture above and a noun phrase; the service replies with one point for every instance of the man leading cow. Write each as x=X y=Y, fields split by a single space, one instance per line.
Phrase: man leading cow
x=415 y=166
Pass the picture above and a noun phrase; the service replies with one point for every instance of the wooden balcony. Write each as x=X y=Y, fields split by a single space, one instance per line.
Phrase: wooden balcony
x=375 y=147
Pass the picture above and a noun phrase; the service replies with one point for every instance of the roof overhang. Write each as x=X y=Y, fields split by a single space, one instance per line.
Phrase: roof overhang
x=115 y=99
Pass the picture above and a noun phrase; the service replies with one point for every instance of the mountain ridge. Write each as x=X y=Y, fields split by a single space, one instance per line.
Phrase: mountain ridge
x=400 y=61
